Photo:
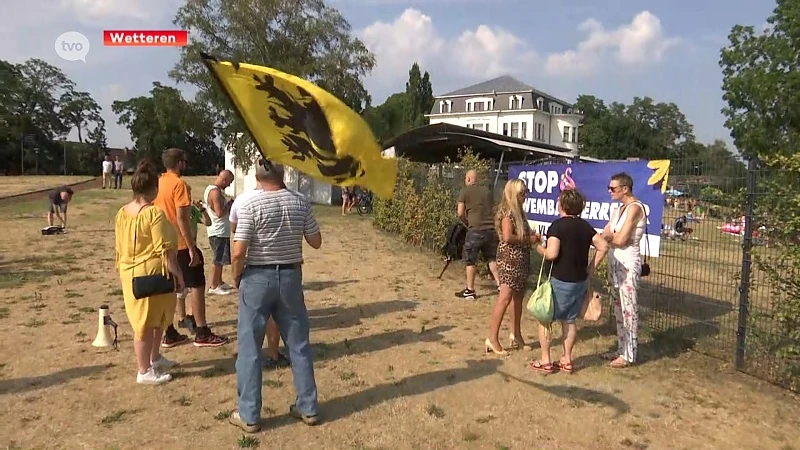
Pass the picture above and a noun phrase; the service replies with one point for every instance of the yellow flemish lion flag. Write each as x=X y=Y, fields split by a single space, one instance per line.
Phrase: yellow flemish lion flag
x=296 y=123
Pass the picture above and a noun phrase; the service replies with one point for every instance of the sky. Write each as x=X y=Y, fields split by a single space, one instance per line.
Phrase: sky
x=613 y=49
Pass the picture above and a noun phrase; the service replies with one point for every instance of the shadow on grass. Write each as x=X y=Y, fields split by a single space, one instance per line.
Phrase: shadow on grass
x=342 y=407
x=344 y=317
x=324 y=352
x=20 y=385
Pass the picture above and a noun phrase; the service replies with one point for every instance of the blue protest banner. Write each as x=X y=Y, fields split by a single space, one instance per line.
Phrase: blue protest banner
x=545 y=183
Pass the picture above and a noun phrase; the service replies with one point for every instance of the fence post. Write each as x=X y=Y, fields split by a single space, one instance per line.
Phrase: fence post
x=747 y=262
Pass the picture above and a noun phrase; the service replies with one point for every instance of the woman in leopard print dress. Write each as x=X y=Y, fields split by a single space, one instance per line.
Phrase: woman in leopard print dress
x=513 y=263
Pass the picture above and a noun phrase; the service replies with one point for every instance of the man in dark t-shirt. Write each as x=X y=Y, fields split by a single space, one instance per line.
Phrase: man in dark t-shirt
x=476 y=210
x=59 y=199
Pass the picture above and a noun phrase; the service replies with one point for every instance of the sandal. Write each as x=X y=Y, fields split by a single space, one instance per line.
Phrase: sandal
x=610 y=356
x=619 y=363
x=562 y=366
x=539 y=367
x=514 y=344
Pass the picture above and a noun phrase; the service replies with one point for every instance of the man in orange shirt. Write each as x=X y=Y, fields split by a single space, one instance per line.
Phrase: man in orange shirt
x=175 y=199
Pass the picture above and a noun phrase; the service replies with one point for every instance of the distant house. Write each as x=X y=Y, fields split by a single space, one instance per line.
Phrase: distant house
x=509 y=107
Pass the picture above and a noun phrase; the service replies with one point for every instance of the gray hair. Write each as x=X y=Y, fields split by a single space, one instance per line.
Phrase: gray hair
x=272 y=173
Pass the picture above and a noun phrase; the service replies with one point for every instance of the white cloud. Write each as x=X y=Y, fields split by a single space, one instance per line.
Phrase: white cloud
x=486 y=52
x=637 y=44
x=475 y=54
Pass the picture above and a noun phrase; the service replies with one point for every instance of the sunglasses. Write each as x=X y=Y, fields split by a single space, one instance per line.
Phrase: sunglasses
x=614 y=188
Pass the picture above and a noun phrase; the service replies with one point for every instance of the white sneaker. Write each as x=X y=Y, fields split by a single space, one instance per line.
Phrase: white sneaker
x=226 y=286
x=219 y=291
x=163 y=364
x=151 y=377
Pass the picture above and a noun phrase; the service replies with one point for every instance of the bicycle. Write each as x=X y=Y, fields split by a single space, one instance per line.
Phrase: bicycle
x=364 y=203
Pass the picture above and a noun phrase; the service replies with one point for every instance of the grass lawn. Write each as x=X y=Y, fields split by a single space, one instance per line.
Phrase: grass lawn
x=400 y=362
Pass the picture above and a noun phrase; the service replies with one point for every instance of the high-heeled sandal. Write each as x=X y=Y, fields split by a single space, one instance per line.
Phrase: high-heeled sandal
x=514 y=344
x=490 y=349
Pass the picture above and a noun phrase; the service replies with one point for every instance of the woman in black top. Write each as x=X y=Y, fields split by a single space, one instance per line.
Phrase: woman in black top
x=569 y=240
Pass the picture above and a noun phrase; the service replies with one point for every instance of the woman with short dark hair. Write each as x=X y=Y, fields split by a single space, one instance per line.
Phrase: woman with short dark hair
x=146 y=244
x=569 y=240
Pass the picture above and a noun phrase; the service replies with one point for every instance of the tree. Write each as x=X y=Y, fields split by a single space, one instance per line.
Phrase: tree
x=419 y=97
x=78 y=109
x=165 y=119
x=644 y=129
x=761 y=85
x=306 y=38
x=388 y=119
x=38 y=104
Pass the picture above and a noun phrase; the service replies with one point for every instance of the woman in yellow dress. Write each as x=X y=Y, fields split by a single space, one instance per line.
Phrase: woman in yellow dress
x=146 y=244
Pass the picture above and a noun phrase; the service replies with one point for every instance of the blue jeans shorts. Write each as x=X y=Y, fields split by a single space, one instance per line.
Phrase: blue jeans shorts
x=568 y=299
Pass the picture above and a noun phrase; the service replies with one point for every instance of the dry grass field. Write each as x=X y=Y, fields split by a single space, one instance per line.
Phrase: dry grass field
x=399 y=360
x=19 y=185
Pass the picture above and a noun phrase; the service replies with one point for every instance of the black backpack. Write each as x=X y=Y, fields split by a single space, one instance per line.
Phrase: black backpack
x=454 y=241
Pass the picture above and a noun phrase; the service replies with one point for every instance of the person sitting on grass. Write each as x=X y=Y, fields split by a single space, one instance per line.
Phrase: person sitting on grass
x=147 y=244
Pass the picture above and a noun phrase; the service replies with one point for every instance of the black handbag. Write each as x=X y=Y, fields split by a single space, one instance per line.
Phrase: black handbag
x=149 y=285
x=645 y=271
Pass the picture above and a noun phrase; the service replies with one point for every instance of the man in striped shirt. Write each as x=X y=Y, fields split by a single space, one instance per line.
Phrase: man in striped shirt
x=267 y=258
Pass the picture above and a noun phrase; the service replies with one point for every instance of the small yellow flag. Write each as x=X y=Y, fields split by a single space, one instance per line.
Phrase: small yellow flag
x=296 y=123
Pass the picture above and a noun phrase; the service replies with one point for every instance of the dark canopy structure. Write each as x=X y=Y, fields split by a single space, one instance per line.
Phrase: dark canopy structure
x=434 y=143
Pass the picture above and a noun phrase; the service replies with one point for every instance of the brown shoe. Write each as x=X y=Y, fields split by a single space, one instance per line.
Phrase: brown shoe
x=307 y=419
x=235 y=419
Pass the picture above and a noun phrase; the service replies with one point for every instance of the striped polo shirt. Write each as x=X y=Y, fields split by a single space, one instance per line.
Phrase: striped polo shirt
x=274 y=224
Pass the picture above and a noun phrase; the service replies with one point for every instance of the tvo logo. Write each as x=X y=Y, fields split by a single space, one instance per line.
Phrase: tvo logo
x=72 y=46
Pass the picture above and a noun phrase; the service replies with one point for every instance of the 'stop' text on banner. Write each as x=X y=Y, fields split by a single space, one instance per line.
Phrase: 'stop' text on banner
x=545 y=183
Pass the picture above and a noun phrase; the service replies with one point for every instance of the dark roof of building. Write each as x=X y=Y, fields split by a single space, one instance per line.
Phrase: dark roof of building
x=505 y=83
x=435 y=143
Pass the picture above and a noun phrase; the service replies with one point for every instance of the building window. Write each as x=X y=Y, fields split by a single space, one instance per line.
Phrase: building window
x=505 y=129
x=514 y=100
x=538 y=131
x=574 y=135
x=524 y=130
x=514 y=129
x=479 y=126
x=540 y=103
x=478 y=106
x=566 y=134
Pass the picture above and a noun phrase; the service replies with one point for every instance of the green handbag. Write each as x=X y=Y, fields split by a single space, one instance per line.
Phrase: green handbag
x=541 y=301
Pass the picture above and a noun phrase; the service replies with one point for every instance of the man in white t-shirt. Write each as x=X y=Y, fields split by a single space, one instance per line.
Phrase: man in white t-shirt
x=108 y=167
x=274 y=357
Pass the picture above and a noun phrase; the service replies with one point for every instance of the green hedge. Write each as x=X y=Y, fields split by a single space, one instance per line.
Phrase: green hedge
x=425 y=199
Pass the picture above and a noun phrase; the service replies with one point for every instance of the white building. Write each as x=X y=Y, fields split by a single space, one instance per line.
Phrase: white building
x=509 y=107
x=316 y=191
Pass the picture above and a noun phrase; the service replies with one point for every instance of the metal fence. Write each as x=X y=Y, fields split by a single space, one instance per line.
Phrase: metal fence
x=725 y=284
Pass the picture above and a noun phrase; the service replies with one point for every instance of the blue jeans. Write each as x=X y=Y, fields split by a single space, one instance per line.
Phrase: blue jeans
x=278 y=292
x=568 y=299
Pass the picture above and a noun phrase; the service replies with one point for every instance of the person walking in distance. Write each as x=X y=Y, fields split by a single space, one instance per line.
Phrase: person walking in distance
x=274 y=358
x=267 y=267
x=475 y=207
x=219 y=232
x=119 y=169
x=175 y=199
x=108 y=168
